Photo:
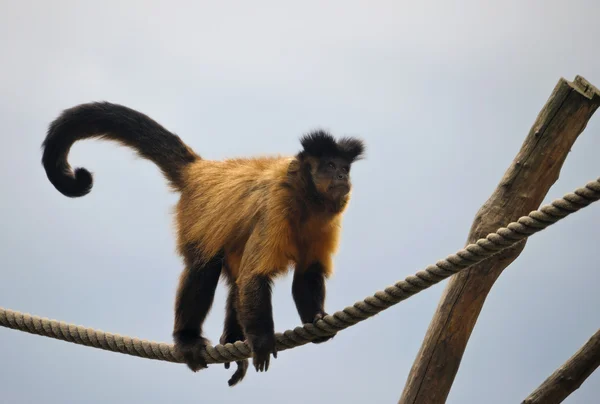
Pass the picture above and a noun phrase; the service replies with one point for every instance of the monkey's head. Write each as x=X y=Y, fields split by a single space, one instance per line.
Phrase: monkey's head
x=327 y=162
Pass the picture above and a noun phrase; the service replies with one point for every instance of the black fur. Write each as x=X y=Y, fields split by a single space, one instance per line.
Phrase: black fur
x=232 y=331
x=308 y=291
x=115 y=122
x=194 y=300
x=320 y=144
x=256 y=316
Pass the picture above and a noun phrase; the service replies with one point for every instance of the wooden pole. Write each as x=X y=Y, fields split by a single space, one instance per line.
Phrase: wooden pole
x=570 y=376
x=522 y=189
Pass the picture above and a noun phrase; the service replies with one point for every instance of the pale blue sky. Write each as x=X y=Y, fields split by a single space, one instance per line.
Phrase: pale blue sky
x=443 y=92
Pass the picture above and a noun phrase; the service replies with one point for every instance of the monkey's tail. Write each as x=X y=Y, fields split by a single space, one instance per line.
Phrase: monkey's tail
x=115 y=122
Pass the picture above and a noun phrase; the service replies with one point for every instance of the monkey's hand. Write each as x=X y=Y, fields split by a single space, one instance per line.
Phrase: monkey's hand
x=320 y=340
x=262 y=347
x=191 y=348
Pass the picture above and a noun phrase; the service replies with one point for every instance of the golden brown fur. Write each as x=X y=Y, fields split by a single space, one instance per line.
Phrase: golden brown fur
x=242 y=206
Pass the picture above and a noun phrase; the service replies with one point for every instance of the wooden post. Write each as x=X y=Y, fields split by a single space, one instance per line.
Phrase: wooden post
x=569 y=377
x=522 y=189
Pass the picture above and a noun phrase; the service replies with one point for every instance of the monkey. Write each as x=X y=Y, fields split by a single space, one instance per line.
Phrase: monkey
x=247 y=220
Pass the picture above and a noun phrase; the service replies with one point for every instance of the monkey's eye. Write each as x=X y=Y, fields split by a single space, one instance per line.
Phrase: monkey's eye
x=330 y=164
x=345 y=170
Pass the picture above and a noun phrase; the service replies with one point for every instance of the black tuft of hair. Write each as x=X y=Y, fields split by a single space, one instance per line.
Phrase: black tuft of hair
x=320 y=143
x=352 y=147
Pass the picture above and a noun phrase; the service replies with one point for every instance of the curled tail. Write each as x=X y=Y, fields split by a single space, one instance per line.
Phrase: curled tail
x=116 y=122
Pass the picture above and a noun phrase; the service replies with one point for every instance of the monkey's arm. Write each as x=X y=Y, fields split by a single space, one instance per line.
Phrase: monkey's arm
x=308 y=290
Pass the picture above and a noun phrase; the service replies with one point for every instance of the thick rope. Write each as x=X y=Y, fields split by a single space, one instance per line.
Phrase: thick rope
x=472 y=254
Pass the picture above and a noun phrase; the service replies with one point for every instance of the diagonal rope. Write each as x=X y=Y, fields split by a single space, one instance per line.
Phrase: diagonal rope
x=472 y=254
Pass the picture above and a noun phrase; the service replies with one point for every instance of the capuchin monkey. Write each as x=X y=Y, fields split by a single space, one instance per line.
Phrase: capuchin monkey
x=248 y=219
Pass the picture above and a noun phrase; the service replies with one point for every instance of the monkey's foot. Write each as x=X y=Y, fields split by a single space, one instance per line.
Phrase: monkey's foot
x=262 y=348
x=191 y=348
x=320 y=340
x=242 y=366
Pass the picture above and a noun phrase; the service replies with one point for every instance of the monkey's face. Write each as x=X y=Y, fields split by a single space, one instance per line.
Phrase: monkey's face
x=331 y=176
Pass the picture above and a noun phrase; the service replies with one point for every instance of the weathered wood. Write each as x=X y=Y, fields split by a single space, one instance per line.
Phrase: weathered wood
x=522 y=189
x=570 y=376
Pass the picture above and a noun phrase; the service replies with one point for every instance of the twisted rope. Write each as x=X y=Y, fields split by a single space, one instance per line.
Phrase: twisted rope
x=472 y=254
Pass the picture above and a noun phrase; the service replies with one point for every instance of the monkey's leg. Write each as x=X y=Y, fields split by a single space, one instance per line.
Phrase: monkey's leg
x=308 y=290
x=232 y=331
x=195 y=295
x=256 y=317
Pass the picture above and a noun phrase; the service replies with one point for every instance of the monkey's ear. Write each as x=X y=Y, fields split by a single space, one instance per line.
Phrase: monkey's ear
x=352 y=148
